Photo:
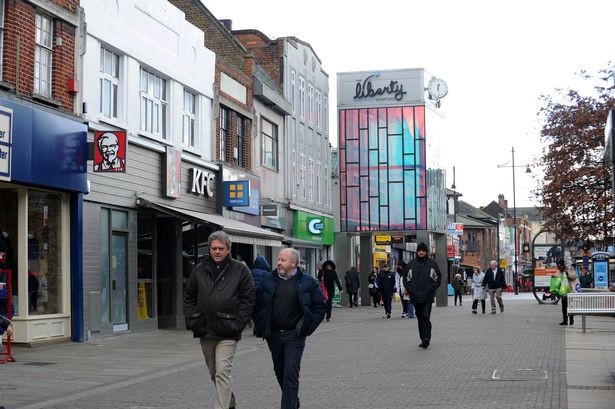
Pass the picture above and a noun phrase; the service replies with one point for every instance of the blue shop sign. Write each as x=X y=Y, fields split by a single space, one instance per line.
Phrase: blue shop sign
x=50 y=150
x=236 y=193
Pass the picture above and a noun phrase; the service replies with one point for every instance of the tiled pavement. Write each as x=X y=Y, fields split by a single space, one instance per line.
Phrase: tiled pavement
x=519 y=359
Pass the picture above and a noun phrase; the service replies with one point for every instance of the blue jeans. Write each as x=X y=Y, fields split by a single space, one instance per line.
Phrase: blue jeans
x=286 y=352
x=410 y=310
x=387 y=298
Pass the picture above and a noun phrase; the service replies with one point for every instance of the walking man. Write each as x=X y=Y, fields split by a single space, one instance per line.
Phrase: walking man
x=353 y=283
x=421 y=279
x=385 y=282
x=495 y=282
x=289 y=307
x=218 y=303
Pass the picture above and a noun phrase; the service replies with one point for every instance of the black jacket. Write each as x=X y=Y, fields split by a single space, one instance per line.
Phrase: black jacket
x=310 y=297
x=220 y=309
x=499 y=281
x=329 y=277
x=421 y=279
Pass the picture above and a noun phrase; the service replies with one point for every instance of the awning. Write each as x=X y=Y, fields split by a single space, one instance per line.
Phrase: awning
x=302 y=243
x=239 y=232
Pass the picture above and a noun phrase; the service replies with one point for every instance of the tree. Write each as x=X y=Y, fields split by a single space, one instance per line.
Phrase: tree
x=576 y=196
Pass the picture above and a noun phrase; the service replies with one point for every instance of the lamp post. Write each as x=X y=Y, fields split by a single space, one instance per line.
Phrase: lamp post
x=515 y=239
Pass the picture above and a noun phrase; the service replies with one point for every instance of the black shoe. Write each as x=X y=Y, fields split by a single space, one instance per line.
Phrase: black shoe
x=474 y=312
x=424 y=344
x=356 y=305
x=388 y=315
x=563 y=323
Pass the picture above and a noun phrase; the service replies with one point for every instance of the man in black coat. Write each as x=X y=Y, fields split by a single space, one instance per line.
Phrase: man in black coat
x=421 y=279
x=218 y=304
x=353 y=283
x=494 y=283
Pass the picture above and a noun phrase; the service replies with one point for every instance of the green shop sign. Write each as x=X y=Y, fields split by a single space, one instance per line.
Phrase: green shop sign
x=317 y=229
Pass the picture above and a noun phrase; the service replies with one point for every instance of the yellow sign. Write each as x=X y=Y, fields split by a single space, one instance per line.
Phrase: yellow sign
x=503 y=263
x=383 y=239
x=141 y=302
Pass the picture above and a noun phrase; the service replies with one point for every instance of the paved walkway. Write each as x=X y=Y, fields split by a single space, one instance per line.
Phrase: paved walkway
x=519 y=359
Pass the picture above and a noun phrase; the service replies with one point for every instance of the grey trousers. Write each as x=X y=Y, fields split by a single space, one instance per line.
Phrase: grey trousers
x=495 y=293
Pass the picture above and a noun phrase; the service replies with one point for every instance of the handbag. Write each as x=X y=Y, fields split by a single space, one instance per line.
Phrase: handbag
x=564 y=288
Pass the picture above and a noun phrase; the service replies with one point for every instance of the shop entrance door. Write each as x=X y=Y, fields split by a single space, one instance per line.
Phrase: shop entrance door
x=166 y=241
x=118 y=282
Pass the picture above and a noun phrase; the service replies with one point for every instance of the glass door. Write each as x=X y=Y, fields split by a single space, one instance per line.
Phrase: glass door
x=118 y=282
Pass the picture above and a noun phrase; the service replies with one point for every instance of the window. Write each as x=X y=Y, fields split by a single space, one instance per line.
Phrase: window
x=301 y=97
x=326 y=188
x=310 y=103
x=153 y=104
x=240 y=141
x=42 y=56
x=301 y=184
x=109 y=81
x=224 y=122
x=269 y=153
x=188 y=119
x=1 y=35
x=318 y=172
x=293 y=173
x=44 y=252
x=292 y=88
x=326 y=104
x=318 y=108
x=310 y=180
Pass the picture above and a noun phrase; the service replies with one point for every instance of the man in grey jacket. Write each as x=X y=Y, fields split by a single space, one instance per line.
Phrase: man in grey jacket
x=218 y=304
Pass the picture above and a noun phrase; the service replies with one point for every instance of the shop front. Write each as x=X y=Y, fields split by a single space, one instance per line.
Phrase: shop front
x=312 y=237
x=43 y=177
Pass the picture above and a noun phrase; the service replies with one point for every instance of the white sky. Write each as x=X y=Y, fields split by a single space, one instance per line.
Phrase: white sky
x=497 y=58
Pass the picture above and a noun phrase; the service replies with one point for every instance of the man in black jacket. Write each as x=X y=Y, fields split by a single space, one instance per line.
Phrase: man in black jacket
x=421 y=279
x=289 y=308
x=494 y=283
x=218 y=303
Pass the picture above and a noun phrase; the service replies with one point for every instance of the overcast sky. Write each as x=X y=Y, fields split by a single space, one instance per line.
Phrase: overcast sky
x=497 y=58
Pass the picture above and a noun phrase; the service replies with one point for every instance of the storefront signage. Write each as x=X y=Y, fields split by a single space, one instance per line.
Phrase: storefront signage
x=202 y=182
x=382 y=239
x=455 y=229
x=236 y=193
x=365 y=89
x=6 y=144
x=314 y=228
x=110 y=151
x=173 y=172
x=269 y=210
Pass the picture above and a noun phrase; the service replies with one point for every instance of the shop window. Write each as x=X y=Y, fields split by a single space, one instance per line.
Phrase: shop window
x=8 y=248
x=145 y=263
x=153 y=94
x=109 y=82
x=44 y=252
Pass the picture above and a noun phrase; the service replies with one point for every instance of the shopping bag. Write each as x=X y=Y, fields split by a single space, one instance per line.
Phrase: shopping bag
x=554 y=284
x=564 y=288
x=325 y=293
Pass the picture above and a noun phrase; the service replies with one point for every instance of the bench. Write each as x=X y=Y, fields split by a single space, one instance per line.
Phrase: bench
x=591 y=303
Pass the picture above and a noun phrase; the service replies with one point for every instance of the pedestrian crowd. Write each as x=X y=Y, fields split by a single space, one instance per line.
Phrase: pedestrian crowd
x=285 y=305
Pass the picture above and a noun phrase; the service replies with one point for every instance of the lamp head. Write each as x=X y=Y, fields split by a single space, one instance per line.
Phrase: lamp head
x=528 y=170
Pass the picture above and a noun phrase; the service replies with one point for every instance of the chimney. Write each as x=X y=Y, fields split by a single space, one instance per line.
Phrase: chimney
x=502 y=202
x=227 y=23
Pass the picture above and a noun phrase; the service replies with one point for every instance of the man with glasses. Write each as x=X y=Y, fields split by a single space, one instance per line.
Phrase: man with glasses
x=108 y=146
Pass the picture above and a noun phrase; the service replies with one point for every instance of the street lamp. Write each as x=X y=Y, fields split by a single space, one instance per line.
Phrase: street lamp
x=515 y=239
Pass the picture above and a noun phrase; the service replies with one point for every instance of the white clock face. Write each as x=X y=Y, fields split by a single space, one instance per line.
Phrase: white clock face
x=437 y=88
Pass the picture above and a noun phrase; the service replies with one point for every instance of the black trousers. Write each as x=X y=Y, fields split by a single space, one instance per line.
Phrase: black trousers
x=475 y=304
x=457 y=294
x=353 y=299
x=387 y=298
x=286 y=352
x=422 y=311
x=376 y=298
x=564 y=301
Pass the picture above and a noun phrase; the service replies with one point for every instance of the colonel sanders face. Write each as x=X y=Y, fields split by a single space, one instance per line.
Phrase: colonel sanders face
x=108 y=146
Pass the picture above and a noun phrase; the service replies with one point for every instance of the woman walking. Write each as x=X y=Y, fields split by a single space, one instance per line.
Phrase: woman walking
x=371 y=284
x=478 y=290
x=329 y=277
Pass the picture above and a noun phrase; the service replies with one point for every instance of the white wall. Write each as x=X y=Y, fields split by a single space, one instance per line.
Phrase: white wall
x=154 y=35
